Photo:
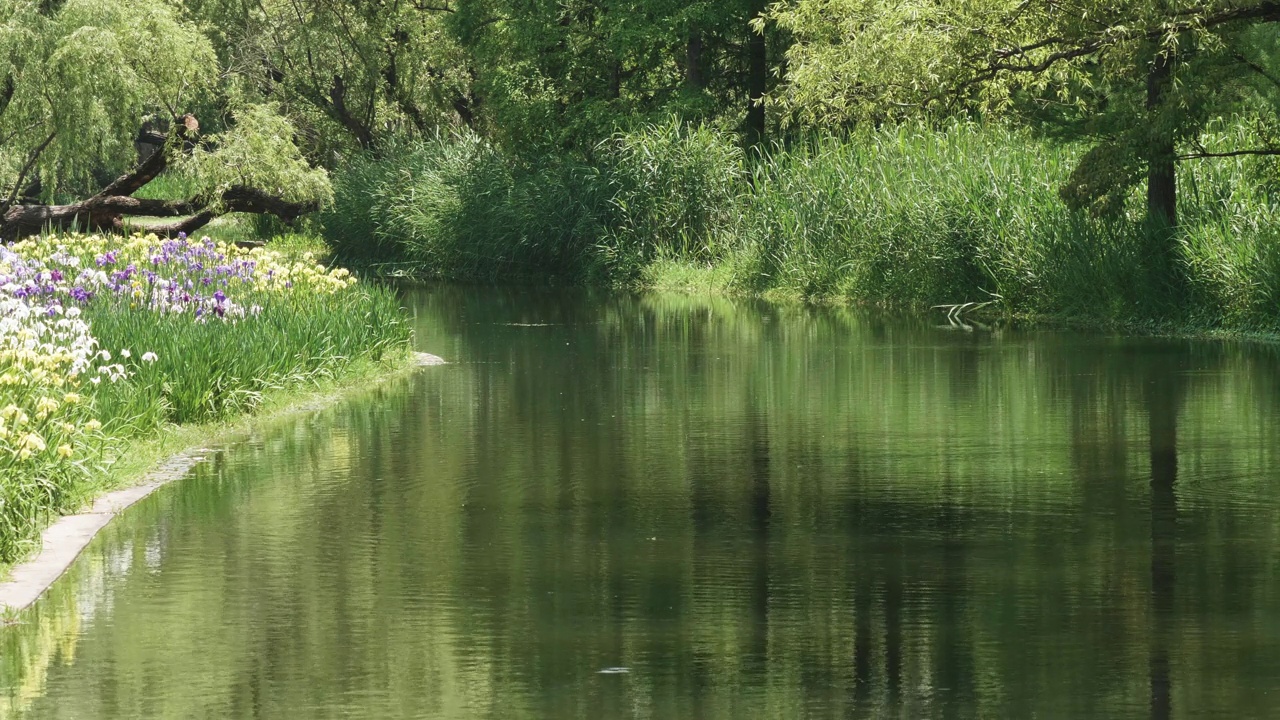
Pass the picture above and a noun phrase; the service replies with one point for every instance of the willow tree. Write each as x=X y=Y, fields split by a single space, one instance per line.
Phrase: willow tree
x=95 y=89
x=350 y=73
x=1139 y=79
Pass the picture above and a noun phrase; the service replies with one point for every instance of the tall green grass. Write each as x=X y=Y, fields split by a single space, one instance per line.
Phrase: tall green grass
x=455 y=207
x=906 y=216
x=916 y=217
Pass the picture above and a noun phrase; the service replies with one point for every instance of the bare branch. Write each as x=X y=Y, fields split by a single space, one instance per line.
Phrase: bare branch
x=428 y=7
x=1258 y=69
x=238 y=199
x=31 y=163
x=1193 y=18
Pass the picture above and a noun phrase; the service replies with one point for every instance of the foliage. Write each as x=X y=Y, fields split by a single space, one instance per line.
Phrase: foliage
x=350 y=74
x=556 y=76
x=864 y=59
x=527 y=76
x=83 y=77
x=256 y=151
x=91 y=88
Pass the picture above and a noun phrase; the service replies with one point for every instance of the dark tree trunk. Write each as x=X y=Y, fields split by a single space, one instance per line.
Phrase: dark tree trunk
x=757 y=79
x=465 y=106
x=22 y=174
x=7 y=89
x=338 y=110
x=396 y=91
x=693 y=61
x=1162 y=193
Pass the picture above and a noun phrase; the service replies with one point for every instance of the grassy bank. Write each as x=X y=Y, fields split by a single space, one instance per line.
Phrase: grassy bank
x=107 y=342
x=907 y=217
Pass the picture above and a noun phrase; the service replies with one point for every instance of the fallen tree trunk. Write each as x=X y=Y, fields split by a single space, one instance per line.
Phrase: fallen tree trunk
x=107 y=210
x=106 y=213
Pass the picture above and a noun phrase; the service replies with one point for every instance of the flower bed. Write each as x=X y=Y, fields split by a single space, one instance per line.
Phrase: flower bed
x=104 y=339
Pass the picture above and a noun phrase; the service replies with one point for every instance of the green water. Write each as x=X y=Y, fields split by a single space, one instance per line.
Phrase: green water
x=757 y=511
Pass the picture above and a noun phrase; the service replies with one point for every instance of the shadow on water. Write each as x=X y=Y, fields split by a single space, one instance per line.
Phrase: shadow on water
x=1164 y=394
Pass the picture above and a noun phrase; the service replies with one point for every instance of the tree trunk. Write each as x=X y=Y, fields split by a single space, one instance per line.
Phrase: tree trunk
x=465 y=106
x=337 y=108
x=757 y=79
x=1162 y=193
x=693 y=61
x=106 y=210
x=396 y=92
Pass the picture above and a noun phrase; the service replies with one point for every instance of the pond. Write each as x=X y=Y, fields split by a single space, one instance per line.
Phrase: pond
x=653 y=506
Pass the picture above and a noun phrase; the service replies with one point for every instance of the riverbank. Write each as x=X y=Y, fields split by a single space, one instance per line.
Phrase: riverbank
x=710 y=281
x=153 y=462
x=108 y=342
x=908 y=217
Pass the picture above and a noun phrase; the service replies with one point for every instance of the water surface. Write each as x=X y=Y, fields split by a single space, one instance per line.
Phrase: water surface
x=737 y=510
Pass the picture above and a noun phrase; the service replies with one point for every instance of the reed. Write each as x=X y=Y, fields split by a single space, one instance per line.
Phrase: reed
x=908 y=216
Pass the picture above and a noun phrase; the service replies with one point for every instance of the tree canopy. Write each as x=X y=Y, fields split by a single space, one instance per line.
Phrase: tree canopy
x=279 y=88
x=1141 y=79
x=88 y=87
x=79 y=79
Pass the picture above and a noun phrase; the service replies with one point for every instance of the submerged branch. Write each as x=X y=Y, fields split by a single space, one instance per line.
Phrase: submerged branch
x=1233 y=153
